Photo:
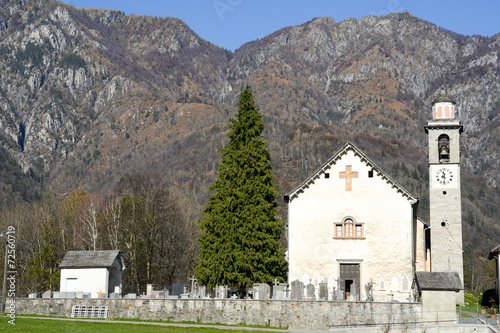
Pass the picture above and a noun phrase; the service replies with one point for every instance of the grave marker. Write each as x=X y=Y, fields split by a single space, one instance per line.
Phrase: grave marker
x=323 y=291
x=297 y=293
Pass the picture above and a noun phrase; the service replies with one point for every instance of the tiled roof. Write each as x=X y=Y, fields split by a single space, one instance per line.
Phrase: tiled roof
x=438 y=281
x=91 y=259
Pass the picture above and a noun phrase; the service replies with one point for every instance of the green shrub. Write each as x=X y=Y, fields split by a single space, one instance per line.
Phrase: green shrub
x=72 y=60
x=470 y=298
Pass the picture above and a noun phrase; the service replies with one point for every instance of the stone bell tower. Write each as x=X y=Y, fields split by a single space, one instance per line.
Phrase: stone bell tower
x=444 y=183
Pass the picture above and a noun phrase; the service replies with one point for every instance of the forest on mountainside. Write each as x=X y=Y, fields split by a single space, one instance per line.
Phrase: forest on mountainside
x=89 y=96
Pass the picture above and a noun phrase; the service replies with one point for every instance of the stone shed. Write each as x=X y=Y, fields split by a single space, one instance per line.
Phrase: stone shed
x=437 y=292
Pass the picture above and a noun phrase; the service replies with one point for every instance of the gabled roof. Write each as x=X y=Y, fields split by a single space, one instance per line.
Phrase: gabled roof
x=438 y=281
x=91 y=259
x=333 y=160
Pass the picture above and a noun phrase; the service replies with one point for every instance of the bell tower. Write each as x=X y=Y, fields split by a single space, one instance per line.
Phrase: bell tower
x=444 y=183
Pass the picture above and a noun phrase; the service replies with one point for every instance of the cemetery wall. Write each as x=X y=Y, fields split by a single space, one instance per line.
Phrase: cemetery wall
x=318 y=315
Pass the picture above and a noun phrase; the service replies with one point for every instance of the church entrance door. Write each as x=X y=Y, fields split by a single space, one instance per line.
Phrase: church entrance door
x=350 y=280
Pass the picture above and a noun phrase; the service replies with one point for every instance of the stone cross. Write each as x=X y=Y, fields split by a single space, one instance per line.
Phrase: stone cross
x=348 y=175
x=193 y=285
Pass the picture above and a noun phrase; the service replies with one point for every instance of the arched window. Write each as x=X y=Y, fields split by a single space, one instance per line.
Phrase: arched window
x=444 y=148
x=349 y=228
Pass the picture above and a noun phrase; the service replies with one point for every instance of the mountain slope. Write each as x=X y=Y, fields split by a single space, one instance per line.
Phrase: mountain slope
x=87 y=95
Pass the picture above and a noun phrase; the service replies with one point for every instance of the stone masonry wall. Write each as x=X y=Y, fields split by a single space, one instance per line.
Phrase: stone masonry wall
x=317 y=315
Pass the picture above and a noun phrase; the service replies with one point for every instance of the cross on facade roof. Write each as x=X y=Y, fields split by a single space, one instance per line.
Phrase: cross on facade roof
x=348 y=175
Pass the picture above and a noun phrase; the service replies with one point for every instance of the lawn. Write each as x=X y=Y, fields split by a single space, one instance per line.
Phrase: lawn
x=28 y=325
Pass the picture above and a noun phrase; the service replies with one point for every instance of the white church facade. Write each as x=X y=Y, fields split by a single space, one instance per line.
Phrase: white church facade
x=352 y=226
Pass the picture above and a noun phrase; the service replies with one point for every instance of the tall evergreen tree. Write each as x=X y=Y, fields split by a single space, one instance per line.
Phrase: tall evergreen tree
x=240 y=240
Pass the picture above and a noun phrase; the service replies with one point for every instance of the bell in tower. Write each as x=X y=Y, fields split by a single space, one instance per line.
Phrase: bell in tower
x=444 y=148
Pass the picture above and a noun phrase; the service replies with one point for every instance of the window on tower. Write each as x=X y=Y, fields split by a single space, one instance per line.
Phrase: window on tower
x=444 y=148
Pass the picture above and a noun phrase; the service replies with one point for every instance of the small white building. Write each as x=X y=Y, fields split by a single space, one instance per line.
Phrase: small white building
x=97 y=272
x=351 y=225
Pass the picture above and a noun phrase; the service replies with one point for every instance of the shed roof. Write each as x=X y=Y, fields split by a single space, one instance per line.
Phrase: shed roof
x=438 y=281
x=91 y=259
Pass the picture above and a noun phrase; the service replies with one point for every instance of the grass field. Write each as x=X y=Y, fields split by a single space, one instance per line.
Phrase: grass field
x=28 y=325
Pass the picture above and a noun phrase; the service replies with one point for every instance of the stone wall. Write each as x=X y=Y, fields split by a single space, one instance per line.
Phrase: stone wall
x=291 y=314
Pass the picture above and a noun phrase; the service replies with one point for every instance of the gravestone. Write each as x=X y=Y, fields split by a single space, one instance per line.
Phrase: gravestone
x=323 y=291
x=33 y=295
x=177 y=289
x=114 y=295
x=338 y=295
x=149 y=289
x=131 y=296
x=297 y=293
x=194 y=288
x=160 y=294
x=56 y=294
x=311 y=295
x=279 y=291
x=354 y=292
x=87 y=295
x=261 y=291
x=221 y=292
x=202 y=291
x=63 y=294
x=47 y=294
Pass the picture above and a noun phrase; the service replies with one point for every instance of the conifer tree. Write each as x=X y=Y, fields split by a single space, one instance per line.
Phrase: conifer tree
x=240 y=240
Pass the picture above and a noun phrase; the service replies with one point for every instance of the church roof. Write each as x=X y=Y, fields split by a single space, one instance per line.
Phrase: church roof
x=333 y=160
x=91 y=259
x=438 y=281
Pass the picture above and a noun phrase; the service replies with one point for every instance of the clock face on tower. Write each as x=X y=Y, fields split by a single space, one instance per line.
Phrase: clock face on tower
x=444 y=176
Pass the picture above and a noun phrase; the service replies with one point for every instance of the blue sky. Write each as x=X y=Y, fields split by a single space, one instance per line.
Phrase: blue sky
x=231 y=23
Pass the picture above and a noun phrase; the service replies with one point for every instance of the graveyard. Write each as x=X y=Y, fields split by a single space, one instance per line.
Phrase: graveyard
x=296 y=306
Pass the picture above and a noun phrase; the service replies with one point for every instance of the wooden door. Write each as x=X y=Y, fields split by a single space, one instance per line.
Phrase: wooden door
x=350 y=276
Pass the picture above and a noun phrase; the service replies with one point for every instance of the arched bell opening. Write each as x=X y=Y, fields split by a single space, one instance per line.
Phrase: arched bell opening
x=444 y=148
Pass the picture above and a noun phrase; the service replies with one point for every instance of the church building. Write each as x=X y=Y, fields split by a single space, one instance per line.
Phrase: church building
x=352 y=226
